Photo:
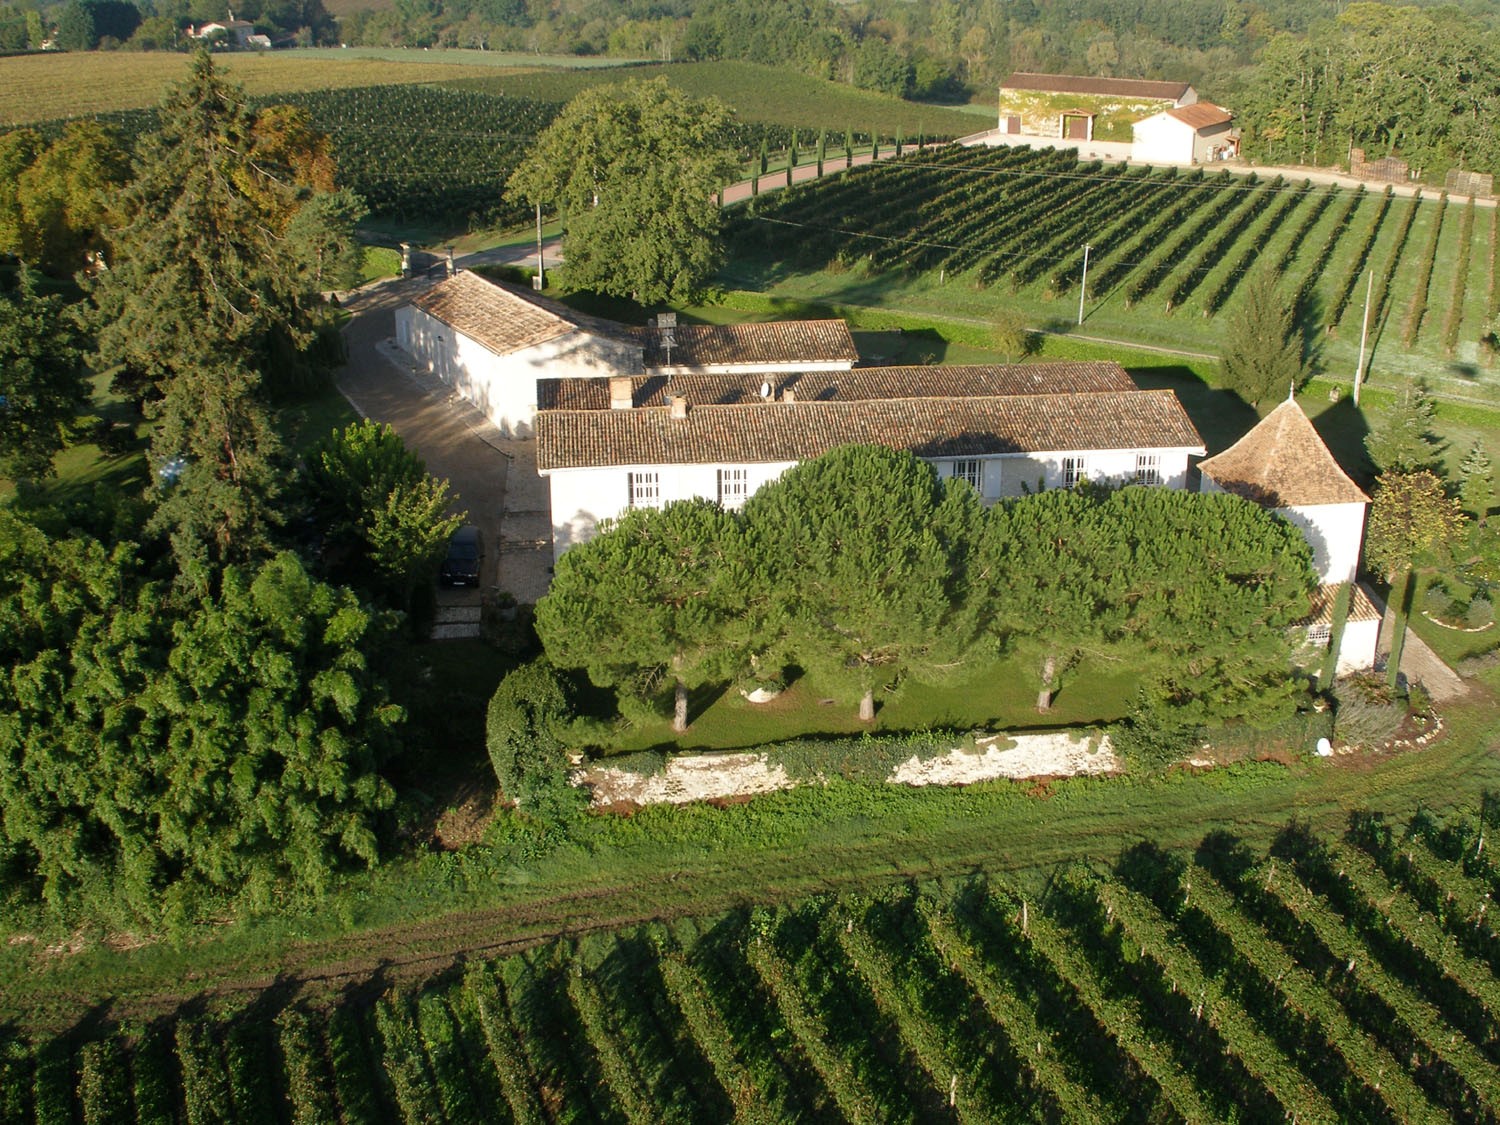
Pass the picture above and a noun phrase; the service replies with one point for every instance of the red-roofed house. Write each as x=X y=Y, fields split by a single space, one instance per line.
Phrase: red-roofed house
x=1192 y=134
x=494 y=342
x=1077 y=109
x=1004 y=430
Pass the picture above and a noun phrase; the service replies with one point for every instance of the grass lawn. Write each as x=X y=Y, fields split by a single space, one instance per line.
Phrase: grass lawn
x=413 y=914
x=380 y=261
x=992 y=695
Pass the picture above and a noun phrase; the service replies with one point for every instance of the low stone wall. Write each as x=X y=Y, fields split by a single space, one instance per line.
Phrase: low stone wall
x=691 y=777
x=704 y=777
x=1060 y=754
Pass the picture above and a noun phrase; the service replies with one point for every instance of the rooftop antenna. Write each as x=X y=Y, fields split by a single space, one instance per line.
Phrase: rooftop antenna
x=765 y=390
x=666 y=324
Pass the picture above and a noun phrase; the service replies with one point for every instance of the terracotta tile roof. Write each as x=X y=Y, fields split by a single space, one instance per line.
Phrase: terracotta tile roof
x=1202 y=115
x=786 y=341
x=1283 y=463
x=1361 y=608
x=978 y=380
x=929 y=427
x=506 y=318
x=1077 y=84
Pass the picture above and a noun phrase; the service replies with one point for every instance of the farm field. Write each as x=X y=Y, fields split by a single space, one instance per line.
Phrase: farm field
x=963 y=232
x=1347 y=976
x=758 y=94
x=38 y=88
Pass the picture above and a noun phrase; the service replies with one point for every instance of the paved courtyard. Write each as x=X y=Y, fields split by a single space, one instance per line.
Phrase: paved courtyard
x=494 y=477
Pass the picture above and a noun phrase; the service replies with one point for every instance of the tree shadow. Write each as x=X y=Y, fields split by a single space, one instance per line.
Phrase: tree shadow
x=901 y=347
x=1308 y=318
x=1343 y=428
x=1221 y=416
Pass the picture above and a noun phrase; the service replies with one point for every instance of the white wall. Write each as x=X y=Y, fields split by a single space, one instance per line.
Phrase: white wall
x=1335 y=533
x=1357 y=649
x=1162 y=139
x=581 y=498
x=503 y=387
x=1015 y=474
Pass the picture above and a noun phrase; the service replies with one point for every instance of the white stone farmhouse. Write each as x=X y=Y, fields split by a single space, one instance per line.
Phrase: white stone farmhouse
x=492 y=342
x=606 y=446
x=1283 y=465
x=1070 y=107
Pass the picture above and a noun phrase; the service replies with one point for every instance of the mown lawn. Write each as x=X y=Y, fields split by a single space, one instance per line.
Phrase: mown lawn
x=989 y=694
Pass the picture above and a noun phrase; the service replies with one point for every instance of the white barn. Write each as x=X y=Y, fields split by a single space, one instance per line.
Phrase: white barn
x=493 y=342
x=1190 y=134
x=1283 y=465
x=606 y=448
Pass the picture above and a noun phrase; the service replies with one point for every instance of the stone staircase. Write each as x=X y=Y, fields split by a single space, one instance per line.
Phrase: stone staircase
x=456 y=622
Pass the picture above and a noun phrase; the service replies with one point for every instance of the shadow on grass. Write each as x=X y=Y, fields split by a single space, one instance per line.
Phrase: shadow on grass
x=1343 y=428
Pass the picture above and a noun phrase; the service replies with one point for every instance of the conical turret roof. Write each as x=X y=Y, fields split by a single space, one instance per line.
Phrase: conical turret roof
x=1283 y=463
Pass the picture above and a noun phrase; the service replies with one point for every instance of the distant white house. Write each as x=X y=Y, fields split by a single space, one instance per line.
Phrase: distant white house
x=231 y=32
x=1192 y=134
x=1283 y=465
x=1005 y=430
x=494 y=342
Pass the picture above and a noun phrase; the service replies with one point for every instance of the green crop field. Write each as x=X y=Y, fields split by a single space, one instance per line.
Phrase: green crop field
x=966 y=231
x=1344 y=977
x=757 y=94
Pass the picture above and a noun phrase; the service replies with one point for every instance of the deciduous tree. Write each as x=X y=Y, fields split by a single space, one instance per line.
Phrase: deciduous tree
x=375 y=500
x=1411 y=516
x=155 y=754
x=636 y=167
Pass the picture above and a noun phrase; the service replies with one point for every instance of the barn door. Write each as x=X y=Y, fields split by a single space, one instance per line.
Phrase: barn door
x=1012 y=124
x=1077 y=128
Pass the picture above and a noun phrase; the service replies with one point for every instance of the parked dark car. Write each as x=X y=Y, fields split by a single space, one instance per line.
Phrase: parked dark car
x=465 y=557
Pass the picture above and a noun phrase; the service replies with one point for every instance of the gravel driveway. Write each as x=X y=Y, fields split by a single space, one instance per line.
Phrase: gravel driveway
x=494 y=477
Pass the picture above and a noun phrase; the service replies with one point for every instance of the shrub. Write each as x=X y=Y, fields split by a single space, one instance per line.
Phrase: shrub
x=1155 y=735
x=528 y=718
x=1368 y=713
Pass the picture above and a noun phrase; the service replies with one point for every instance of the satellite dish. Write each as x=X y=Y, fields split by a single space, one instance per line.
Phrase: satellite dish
x=765 y=390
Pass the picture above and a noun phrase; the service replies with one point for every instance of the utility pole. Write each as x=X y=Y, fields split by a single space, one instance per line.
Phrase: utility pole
x=1083 y=286
x=1364 y=331
x=541 y=273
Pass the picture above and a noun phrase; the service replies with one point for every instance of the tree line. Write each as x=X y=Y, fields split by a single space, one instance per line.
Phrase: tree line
x=196 y=700
x=864 y=567
x=1417 y=83
x=943 y=50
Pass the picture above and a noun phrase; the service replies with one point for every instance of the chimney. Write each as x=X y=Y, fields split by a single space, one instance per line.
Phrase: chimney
x=679 y=407
x=788 y=395
x=621 y=396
